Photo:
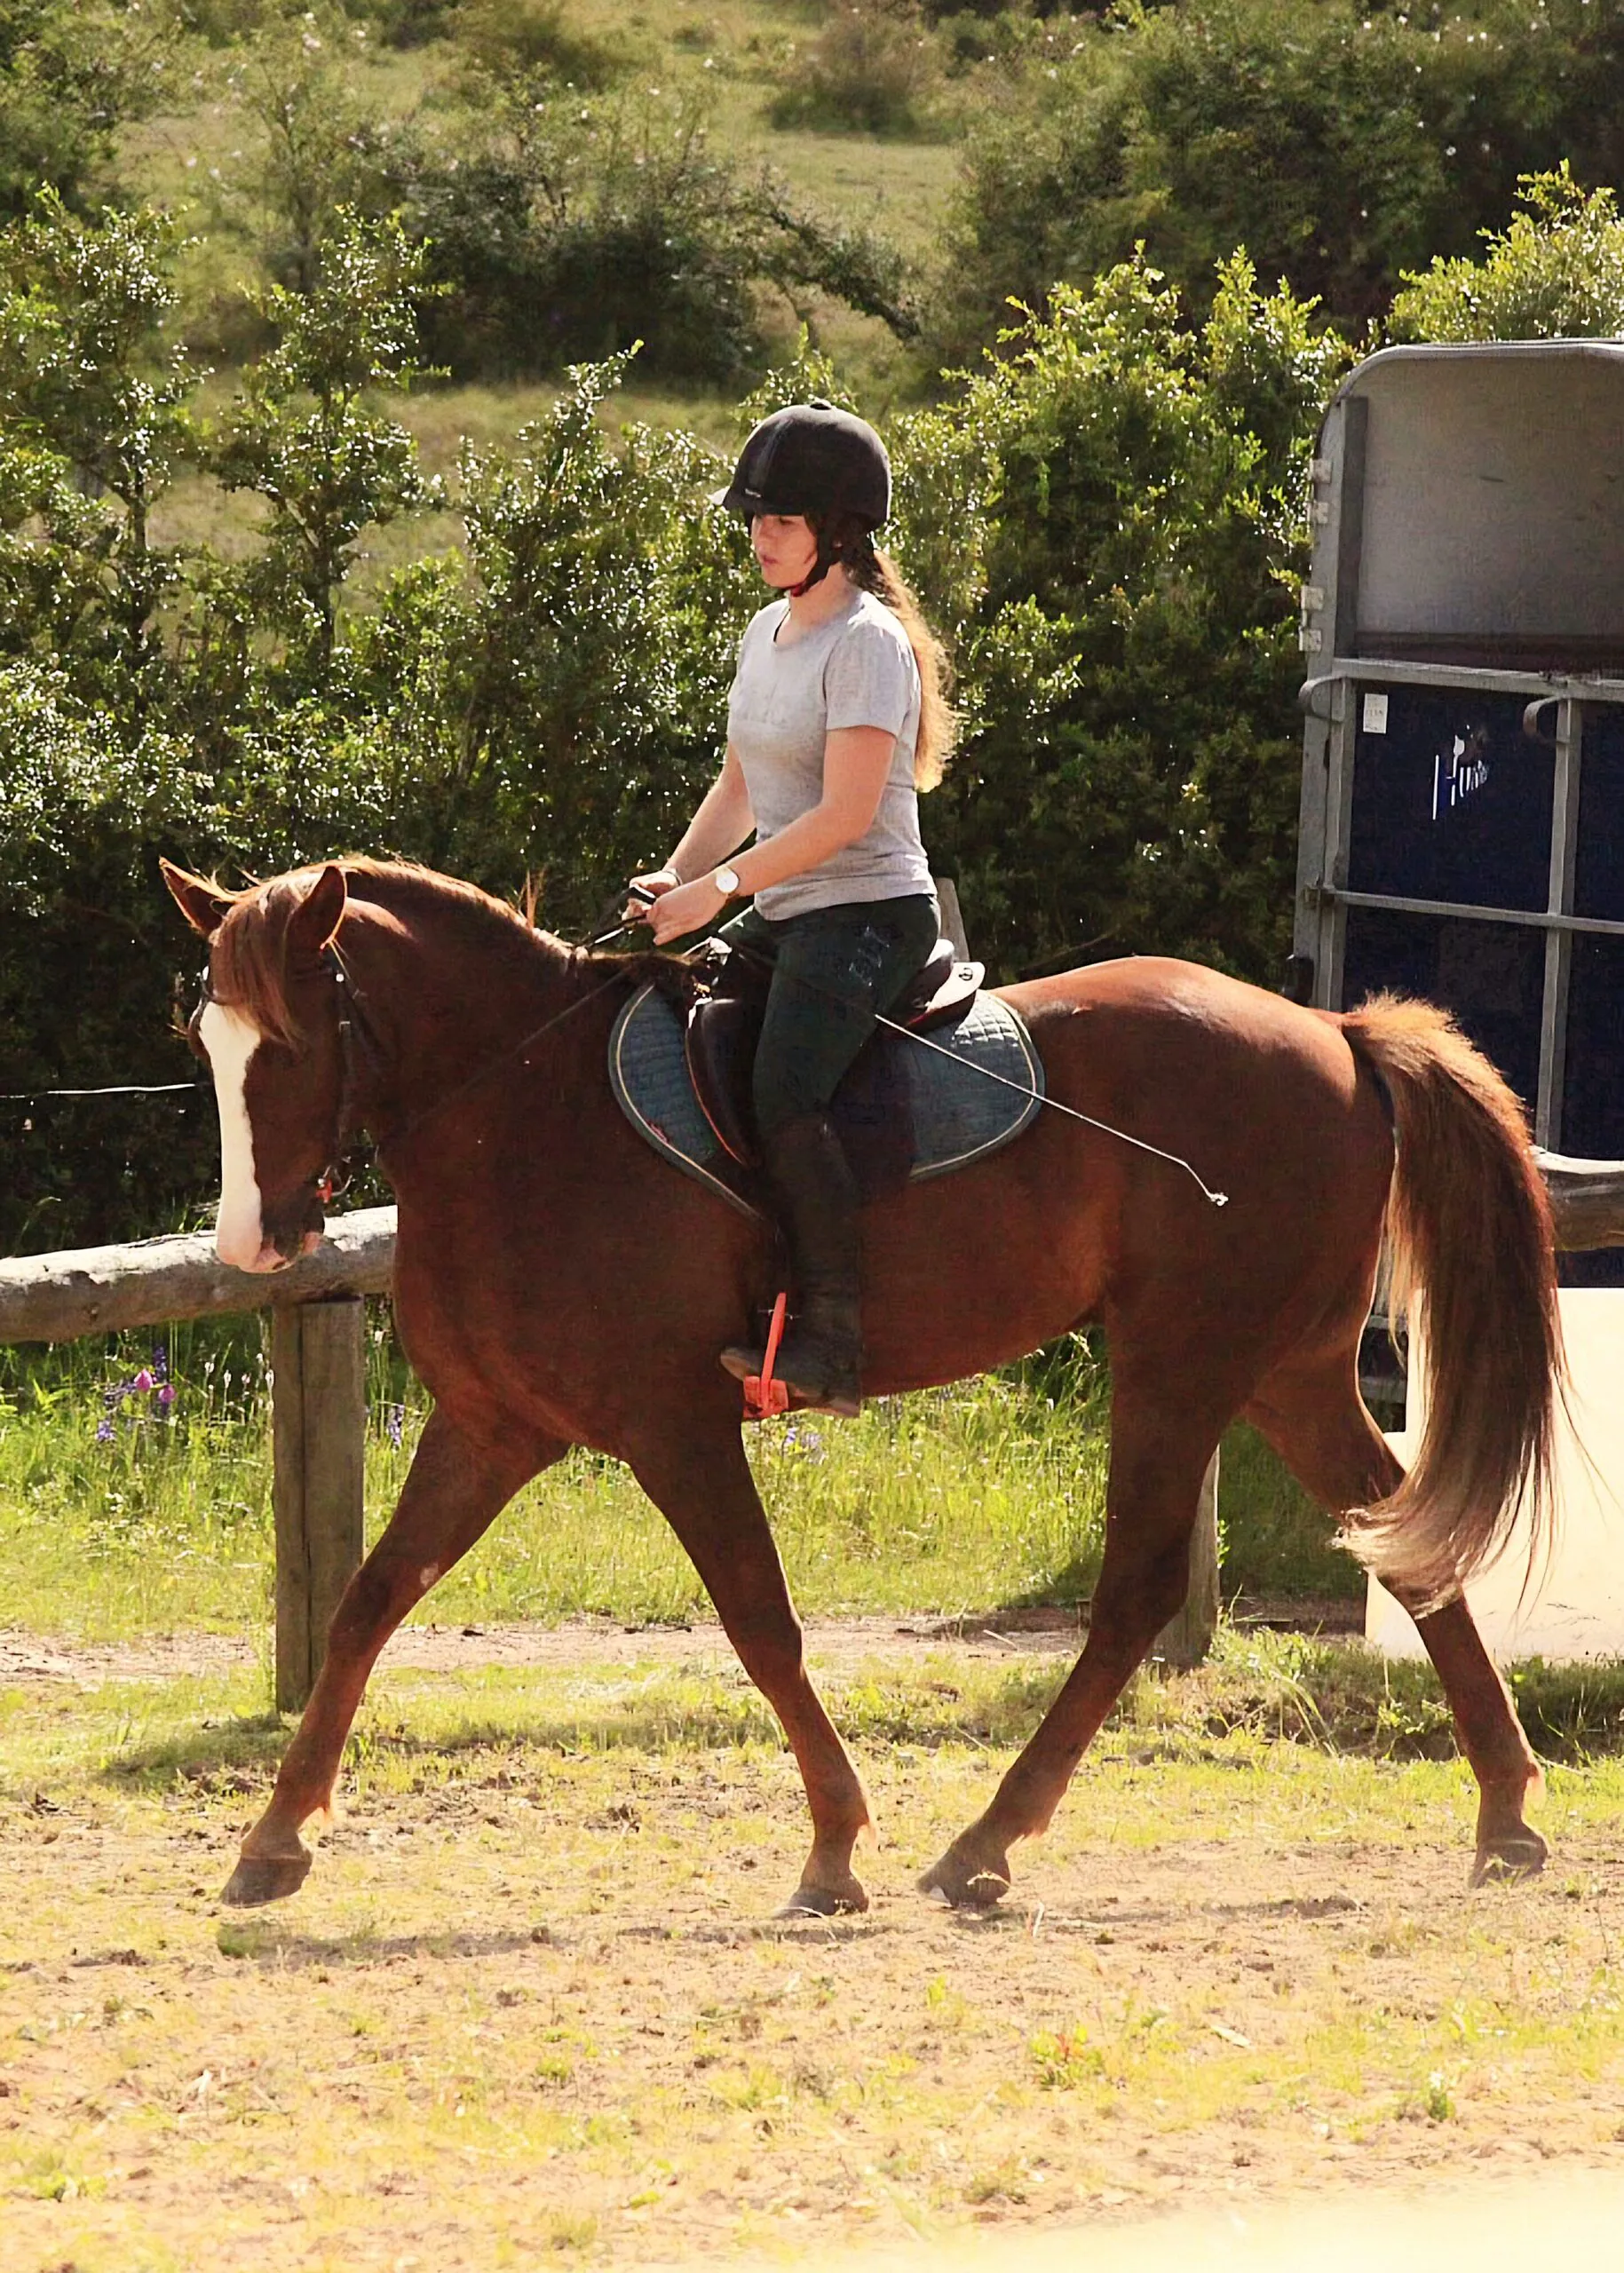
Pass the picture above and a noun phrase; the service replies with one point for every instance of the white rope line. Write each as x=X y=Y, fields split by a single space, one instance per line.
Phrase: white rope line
x=124 y=1089
x=1218 y=1199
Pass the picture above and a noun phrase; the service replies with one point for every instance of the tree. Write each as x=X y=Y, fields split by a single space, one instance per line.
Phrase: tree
x=1342 y=144
x=303 y=435
x=315 y=143
x=564 y=228
x=1106 y=525
x=96 y=402
x=69 y=76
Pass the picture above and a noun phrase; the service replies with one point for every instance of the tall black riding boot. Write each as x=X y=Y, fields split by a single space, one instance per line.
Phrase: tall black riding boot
x=820 y=1357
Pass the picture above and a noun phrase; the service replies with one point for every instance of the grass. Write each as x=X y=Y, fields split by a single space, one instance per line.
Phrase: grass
x=987 y=1495
x=532 y=2008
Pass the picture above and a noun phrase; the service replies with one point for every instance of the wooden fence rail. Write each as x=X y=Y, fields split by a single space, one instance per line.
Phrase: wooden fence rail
x=318 y=1366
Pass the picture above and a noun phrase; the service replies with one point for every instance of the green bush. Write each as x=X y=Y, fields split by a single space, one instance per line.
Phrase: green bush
x=872 y=70
x=70 y=75
x=535 y=37
x=1106 y=521
x=563 y=229
x=1556 y=272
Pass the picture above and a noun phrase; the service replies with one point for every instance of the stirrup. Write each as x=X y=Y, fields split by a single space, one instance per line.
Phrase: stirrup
x=763 y=1393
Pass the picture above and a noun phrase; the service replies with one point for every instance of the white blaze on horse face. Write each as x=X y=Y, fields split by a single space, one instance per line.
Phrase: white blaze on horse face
x=231 y=1041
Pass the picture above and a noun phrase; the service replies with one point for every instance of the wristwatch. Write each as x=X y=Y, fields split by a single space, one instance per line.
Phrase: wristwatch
x=726 y=881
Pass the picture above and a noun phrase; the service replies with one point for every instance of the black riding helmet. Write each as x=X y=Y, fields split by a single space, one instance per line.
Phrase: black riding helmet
x=815 y=460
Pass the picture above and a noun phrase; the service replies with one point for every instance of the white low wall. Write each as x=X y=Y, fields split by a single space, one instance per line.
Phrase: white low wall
x=1574 y=1608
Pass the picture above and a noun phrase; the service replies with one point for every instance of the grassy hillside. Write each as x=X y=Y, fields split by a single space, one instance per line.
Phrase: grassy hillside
x=214 y=163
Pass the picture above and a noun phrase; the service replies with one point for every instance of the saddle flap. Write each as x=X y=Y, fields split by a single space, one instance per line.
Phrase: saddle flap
x=719 y=1043
x=724 y=1027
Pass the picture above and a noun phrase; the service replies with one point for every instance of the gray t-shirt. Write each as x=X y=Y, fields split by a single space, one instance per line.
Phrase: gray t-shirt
x=856 y=670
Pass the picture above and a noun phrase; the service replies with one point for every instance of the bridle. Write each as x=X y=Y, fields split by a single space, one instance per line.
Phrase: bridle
x=337 y=1177
x=353 y=1032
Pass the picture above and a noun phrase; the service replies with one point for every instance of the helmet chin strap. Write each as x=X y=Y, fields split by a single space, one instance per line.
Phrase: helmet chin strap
x=827 y=558
x=827 y=555
x=820 y=569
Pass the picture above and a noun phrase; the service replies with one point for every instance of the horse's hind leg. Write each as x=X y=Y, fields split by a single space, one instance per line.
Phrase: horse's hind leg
x=700 y=1482
x=455 y=1491
x=1315 y=1419
x=1159 y=1448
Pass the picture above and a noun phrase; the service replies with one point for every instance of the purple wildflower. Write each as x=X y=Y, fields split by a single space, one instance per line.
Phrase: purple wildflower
x=143 y=1381
x=160 y=1362
x=166 y=1394
x=395 y=1421
x=104 y=1429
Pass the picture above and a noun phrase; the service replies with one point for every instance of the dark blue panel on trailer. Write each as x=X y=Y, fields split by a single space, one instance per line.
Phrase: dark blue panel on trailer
x=1599 y=869
x=1491 y=976
x=1451 y=799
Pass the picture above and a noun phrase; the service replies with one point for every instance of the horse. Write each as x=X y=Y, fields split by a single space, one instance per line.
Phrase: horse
x=557 y=1283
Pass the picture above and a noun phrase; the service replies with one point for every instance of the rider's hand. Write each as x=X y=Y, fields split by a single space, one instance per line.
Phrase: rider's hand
x=691 y=907
x=655 y=883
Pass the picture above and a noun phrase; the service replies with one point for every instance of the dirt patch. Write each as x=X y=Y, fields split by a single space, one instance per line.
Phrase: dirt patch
x=533 y=2004
x=836 y=1643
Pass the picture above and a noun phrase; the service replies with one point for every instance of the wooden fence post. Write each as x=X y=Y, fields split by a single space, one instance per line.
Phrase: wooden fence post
x=1185 y=1640
x=319 y=1431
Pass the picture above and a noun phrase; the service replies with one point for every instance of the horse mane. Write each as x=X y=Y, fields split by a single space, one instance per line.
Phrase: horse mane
x=249 y=961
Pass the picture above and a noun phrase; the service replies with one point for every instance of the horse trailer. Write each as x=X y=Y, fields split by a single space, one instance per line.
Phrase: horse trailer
x=1462 y=807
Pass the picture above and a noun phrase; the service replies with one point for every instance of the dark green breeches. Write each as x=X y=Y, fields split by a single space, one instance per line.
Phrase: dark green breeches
x=835 y=971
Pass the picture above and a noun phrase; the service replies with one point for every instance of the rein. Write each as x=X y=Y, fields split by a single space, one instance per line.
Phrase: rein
x=335 y=1178
x=349 y=1019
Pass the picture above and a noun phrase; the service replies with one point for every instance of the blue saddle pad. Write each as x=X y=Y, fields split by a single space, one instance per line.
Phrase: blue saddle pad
x=958 y=1114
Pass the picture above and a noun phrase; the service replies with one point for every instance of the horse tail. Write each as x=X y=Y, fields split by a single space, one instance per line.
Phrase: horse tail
x=1469 y=1226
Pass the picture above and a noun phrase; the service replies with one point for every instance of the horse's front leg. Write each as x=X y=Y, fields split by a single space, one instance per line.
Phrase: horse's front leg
x=702 y=1484
x=453 y=1491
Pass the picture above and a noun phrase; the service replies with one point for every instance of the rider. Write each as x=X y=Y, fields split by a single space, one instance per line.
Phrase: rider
x=837 y=717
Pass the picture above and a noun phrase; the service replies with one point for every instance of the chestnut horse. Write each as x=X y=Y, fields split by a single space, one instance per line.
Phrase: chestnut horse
x=557 y=1283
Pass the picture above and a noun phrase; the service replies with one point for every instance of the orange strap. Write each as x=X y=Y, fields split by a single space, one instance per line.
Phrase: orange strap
x=762 y=1394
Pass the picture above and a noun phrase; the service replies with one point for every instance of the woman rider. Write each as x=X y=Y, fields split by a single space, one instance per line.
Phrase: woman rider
x=836 y=719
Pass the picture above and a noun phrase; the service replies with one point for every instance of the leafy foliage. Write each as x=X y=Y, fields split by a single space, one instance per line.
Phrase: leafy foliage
x=872 y=70
x=1341 y=146
x=69 y=76
x=1555 y=273
x=303 y=435
x=94 y=398
x=568 y=228
x=1131 y=493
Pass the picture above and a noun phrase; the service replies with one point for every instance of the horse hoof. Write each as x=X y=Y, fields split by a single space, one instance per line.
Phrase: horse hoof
x=1521 y=1855
x=965 y=1885
x=261 y=1879
x=825 y=1902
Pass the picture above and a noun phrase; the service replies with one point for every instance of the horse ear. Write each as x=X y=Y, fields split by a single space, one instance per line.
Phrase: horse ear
x=317 y=916
x=204 y=906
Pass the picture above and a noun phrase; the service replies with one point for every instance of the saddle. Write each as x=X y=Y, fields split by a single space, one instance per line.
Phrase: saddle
x=917 y=1103
x=724 y=1027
